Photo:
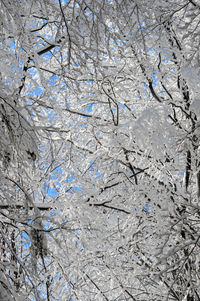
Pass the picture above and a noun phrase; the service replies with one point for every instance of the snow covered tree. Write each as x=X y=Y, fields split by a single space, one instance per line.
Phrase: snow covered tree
x=100 y=171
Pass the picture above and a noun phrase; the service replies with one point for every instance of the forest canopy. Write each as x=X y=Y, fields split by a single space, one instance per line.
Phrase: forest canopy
x=99 y=150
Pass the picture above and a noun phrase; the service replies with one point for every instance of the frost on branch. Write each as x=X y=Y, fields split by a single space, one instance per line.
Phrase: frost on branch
x=100 y=149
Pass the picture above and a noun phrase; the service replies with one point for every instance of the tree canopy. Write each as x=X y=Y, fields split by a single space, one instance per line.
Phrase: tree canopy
x=99 y=150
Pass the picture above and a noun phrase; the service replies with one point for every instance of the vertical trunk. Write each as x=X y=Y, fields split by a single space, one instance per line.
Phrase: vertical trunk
x=198 y=184
x=187 y=169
